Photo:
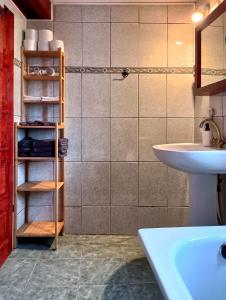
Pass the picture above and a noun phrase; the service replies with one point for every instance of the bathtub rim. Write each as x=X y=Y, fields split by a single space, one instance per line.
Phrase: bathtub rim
x=163 y=262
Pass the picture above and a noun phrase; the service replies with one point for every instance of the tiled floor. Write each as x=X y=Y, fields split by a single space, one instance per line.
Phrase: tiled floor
x=84 y=267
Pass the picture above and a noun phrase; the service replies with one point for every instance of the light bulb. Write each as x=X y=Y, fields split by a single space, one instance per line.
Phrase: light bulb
x=197 y=16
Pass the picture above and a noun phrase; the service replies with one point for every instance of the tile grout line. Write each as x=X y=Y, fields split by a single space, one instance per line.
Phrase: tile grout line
x=29 y=278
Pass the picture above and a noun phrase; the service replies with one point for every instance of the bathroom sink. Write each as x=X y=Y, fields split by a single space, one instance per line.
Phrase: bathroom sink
x=192 y=158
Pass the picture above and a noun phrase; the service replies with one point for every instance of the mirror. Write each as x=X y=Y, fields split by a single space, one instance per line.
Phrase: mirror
x=211 y=53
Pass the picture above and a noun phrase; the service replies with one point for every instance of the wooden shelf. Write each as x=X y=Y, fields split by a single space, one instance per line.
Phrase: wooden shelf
x=33 y=228
x=39 y=127
x=50 y=54
x=42 y=77
x=39 y=186
x=42 y=102
x=21 y=158
x=39 y=229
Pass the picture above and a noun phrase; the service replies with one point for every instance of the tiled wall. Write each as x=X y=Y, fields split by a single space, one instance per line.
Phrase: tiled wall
x=19 y=27
x=114 y=183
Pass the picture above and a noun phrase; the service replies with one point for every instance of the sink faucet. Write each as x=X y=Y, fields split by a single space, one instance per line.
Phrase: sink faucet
x=219 y=141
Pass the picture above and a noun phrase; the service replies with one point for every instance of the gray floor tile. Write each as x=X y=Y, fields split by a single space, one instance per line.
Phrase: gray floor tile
x=84 y=267
x=55 y=273
x=25 y=254
x=50 y=294
x=101 y=250
x=131 y=253
x=103 y=292
x=102 y=271
x=16 y=272
x=67 y=250
x=148 y=291
x=10 y=293
x=139 y=271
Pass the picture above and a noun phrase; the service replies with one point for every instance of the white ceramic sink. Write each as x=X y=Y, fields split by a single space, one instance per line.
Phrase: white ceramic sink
x=192 y=158
x=202 y=164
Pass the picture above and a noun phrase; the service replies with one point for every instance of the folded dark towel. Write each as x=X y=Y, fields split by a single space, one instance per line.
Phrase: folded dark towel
x=41 y=148
x=37 y=123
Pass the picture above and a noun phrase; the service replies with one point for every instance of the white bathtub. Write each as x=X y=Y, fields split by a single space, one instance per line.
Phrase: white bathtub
x=187 y=261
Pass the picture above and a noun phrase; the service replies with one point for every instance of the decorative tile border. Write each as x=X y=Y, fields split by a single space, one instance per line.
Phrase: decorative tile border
x=133 y=70
x=214 y=72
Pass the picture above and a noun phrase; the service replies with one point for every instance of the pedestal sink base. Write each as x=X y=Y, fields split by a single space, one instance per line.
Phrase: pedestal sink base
x=203 y=199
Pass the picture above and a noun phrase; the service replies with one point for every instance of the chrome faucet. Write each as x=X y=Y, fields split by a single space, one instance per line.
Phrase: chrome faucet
x=219 y=141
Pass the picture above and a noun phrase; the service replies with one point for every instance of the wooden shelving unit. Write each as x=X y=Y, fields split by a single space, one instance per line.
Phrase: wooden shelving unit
x=40 y=228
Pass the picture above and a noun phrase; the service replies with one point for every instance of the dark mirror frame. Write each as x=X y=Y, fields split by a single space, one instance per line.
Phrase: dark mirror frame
x=213 y=88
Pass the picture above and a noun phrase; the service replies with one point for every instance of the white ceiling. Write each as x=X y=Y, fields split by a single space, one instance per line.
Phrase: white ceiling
x=125 y=2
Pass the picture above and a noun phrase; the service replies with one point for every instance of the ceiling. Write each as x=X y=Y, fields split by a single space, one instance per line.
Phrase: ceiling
x=34 y=9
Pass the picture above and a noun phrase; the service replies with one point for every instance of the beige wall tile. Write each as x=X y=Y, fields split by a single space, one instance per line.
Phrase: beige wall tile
x=180 y=55
x=180 y=13
x=213 y=47
x=95 y=220
x=72 y=95
x=40 y=171
x=68 y=13
x=180 y=99
x=96 y=95
x=124 y=45
x=17 y=90
x=20 y=218
x=152 y=95
x=41 y=134
x=177 y=188
x=152 y=184
x=151 y=132
x=153 y=14
x=95 y=184
x=202 y=106
x=71 y=35
x=180 y=130
x=96 y=13
x=124 y=184
x=42 y=213
x=153 y=45
x=19 y=27
x=41 y=199
x=124 y=220
x=95 y=139
x=216 y=102
x=124 y=13
x=96 y=44
x=73 y=220
x=178 y=216
x=224 y=104
x=197 y=132
x=40 y=24
x=124 y=96
x=149 y=217
x=73 y=133
x=124 y=139
x=72 y=184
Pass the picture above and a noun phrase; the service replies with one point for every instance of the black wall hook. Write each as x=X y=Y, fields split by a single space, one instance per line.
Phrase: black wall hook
x=125 y=73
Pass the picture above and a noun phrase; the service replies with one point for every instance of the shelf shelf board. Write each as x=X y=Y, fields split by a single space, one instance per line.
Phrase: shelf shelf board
x=39 y=186
x=41 y=101
x=39 y=229
x=42 y=53
x=39 y=127
x=21 y=158
x=41 y=77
